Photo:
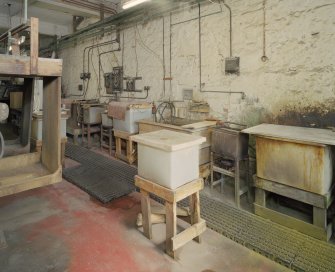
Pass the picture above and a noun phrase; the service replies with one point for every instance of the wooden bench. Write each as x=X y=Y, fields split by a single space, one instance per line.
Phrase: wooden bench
x=171 y=197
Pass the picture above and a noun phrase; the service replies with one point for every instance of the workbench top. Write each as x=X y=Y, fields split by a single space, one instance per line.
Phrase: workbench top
x=292 y=133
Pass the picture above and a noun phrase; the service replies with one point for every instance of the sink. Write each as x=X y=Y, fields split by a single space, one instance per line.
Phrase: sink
x=176 y=121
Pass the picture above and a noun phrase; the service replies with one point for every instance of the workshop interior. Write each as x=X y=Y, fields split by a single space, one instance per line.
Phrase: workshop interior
x=166 y=135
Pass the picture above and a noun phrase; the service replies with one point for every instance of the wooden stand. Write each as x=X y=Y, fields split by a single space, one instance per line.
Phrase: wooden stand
x=23 y=172
x=319 y=228
x=106 y=133
x=171 y=197
x=129 y=154
x=234 y=174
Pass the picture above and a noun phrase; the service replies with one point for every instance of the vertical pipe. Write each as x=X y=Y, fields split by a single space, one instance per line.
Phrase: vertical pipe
x=230 y=29
x=25 y=11
x=170 y=53
x=164 y=72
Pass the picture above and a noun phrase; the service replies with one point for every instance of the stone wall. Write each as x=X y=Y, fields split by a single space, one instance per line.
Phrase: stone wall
x=295 y=86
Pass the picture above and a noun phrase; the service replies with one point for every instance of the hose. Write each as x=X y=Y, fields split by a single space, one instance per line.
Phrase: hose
x=2 y=145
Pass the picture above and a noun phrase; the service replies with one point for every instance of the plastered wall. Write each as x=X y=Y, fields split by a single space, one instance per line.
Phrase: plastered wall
x=295 y=86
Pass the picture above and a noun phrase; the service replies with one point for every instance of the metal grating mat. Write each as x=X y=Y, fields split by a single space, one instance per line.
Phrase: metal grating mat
x=283 y=245
x=100 y=177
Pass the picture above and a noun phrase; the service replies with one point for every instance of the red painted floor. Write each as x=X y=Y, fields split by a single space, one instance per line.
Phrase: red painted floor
x=60 y=228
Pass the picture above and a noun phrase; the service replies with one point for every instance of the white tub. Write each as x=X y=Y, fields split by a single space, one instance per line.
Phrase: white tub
x=168 y=158
x=132 y=116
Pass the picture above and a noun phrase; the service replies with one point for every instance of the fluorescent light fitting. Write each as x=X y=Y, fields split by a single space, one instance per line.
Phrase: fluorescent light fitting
x=132 y=3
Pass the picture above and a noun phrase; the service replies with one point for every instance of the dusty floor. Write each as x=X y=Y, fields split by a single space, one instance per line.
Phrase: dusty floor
x=60 y=228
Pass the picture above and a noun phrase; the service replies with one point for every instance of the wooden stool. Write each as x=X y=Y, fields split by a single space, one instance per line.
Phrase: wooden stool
x=106 y=138
x=130 y=153
x=171 y=197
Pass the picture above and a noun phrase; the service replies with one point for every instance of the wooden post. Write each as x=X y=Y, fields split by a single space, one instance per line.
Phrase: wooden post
x=51 y=151
x=34 y=46
x=27 y=106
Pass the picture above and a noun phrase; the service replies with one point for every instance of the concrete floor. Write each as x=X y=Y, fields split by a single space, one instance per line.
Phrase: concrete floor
x=60 y=228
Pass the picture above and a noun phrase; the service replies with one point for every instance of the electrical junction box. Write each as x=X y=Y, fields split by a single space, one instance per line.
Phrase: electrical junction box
x=232 y=65
x=187 y=94
x=114 y=81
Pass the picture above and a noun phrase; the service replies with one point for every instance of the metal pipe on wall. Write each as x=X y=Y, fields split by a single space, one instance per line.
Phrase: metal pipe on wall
x=200 y=63
x=25 y=12
x=230 y=29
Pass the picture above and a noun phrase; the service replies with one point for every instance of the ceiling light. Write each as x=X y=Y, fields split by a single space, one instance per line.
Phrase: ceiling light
x=132 y=3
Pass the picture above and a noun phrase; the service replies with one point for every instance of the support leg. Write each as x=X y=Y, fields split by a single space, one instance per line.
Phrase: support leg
x=89 y=136
x=129 y=151
x=117 y=147
x=110 y=139
x=171 y=226
x=237 y=183
x=101 y=137
x=195 y=211
x=320 y=217
x=260 y=197
x=146 y=212
x=212 y=173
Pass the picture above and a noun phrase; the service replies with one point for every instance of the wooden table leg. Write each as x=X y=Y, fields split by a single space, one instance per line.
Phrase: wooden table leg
x=146 y=212
x=195 y=212
x=237 y=183
x=101 y=137
x=211 y=169
x=89 y=136
x=110 y=139
x=171 y=226
x=117 y=147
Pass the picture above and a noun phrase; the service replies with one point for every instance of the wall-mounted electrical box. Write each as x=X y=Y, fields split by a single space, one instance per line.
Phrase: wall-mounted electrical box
x=114 y=81
x=232 y=65
x=84 y=76
x=187 y=94
x=131 y=84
